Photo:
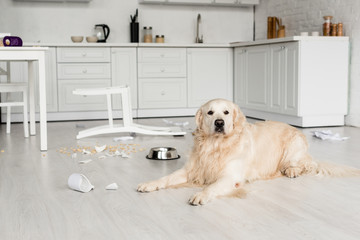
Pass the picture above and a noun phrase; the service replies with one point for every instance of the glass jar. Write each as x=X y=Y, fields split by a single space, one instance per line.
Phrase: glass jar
x=148 y=35
x=327 y=25
x=160 y=39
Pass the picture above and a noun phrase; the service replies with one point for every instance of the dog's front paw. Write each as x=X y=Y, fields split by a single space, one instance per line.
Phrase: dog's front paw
x=200 y=198
x=149 y=186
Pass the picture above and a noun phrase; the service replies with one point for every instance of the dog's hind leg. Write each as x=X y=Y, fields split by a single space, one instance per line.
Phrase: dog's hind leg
x=296 y=160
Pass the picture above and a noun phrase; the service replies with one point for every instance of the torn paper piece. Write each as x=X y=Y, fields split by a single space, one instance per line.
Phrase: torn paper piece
x=328 y=135
x=121 y=154
x=85 y=161
x=74 y=155
x=100 y=149
x=126 y=138
x=109 y=154
x=102 y=157
x=178 y=124
x=112 y=186
x=86 y=151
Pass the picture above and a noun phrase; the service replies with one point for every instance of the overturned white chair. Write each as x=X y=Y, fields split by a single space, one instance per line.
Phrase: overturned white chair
x=128 y=125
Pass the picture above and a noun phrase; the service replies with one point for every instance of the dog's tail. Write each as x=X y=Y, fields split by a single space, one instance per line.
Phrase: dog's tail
x=335 y=170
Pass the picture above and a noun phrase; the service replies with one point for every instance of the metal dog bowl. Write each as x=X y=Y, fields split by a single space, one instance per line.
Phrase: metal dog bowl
x=163 y=153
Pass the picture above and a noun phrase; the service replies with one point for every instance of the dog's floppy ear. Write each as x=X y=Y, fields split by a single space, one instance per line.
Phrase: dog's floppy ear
x=239 y=118
x=199 y=119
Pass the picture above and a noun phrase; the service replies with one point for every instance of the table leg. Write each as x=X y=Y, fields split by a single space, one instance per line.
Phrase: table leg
x=31 y=80
x=42 y=102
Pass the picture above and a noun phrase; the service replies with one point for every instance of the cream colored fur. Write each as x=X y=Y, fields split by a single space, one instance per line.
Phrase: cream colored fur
x=224 y=159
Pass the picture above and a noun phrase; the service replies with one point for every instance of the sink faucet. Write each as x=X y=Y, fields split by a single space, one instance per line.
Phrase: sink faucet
x=198 y=39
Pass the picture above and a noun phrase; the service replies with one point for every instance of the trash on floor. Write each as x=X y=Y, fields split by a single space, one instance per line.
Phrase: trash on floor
x=328 y=135
x=100 y=148
x=79 y=125
x=178 y=124
x=80 y=183
x=112 y=186
x=125 y=138
x=85 y=161
x=122 y=150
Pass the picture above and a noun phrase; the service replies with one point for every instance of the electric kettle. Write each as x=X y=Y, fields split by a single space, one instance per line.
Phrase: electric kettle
x=102 y=32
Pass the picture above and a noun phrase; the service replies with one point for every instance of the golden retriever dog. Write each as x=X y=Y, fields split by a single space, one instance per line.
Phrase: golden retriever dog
x=229 y=152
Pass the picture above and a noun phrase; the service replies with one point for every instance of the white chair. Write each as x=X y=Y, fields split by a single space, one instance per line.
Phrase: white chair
x=15 y=87
x=4 y=102
x=128 y=125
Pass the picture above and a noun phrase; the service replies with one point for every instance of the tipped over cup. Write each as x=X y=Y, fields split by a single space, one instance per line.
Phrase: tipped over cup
x=79 y=182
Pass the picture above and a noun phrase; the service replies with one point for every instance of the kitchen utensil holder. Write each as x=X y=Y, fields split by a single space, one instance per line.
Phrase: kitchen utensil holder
x=134 y=32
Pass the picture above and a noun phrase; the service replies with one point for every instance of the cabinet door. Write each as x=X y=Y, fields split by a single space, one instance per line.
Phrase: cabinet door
x=284 y=78
x=240 y=75
x=257 y=77
x=291 y=80
x=123 y=72
x=210 y=75
x=278 y=75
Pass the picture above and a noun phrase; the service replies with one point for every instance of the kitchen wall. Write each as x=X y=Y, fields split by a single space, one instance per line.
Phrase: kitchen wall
x=306 y=15
x=56 y=22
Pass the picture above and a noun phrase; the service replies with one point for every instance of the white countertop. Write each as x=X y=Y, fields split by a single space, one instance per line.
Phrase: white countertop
x=288 y=39
x=85 y=44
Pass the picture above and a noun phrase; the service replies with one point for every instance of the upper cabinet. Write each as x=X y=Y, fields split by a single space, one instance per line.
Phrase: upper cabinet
x=232 y=3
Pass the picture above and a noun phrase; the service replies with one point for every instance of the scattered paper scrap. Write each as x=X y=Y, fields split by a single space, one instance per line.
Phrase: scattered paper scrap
x=80 y=182
x=126 y=138
x=178 y=124
x=112 y=186
x=102 y=157
x=328 y=135
x=100 y=149
x=120 y=149
x=85 y=161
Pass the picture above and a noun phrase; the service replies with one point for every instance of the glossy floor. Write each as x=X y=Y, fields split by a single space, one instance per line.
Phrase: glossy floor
x=36 y=203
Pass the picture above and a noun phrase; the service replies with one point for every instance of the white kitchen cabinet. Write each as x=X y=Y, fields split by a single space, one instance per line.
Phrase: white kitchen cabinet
x=302 y=82
x=162 y=93
x=162 y=78
x=210 y=74
x=82 y=67
x=123 y=72
x=232 y=3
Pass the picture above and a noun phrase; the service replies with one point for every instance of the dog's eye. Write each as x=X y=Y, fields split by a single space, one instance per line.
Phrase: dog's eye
x=210 y=112
x=226 y=112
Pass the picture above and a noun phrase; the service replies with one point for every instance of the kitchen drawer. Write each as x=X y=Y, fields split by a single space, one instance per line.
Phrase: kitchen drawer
x=70 y=102
x=164 y=55
x=162 y=93
x=83 y=54
x=162 y=70
x=83 y=71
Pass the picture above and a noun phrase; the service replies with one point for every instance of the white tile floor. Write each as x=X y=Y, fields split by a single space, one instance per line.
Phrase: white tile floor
x=35 y=202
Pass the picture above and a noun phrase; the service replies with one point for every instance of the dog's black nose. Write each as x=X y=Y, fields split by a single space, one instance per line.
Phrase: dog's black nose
x=219 y=123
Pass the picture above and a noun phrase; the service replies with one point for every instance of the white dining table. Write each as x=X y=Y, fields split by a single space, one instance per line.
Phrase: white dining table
x=32 y=55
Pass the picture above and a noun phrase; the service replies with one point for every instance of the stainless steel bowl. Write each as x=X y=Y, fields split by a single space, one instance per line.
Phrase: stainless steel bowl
x=163 y=153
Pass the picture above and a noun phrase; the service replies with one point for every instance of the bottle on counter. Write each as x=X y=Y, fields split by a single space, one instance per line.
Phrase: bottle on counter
x=333 y=31
x=148 y=35
x=327 y=25
x=340 y=31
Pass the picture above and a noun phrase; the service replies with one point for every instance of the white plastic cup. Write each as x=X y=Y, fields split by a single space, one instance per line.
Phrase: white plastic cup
x=80 y=183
